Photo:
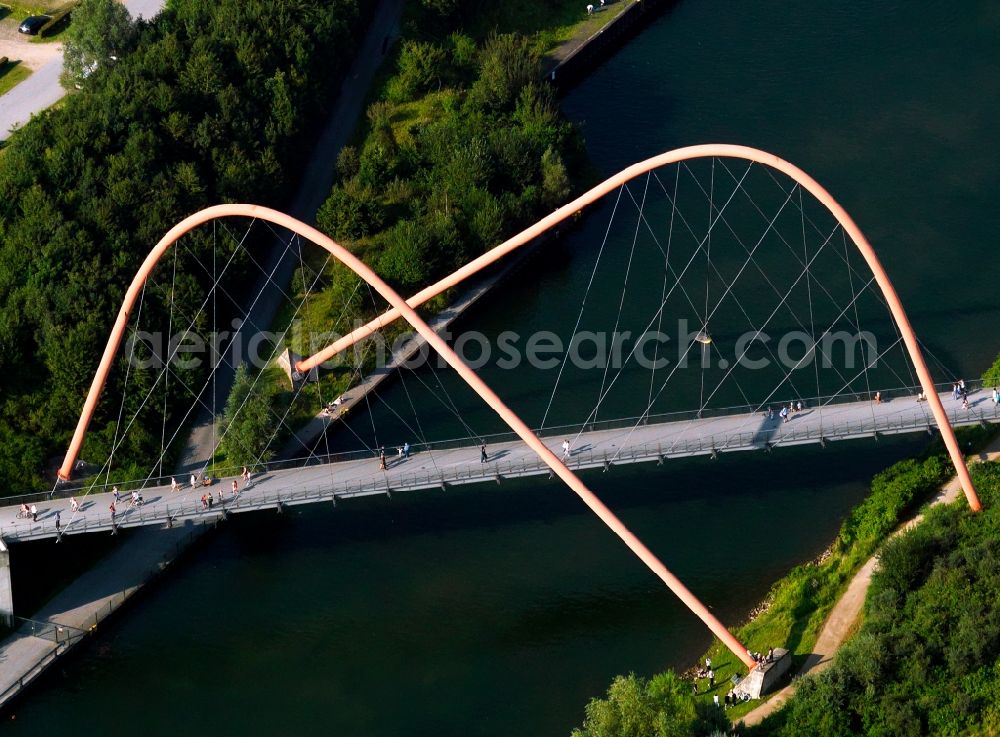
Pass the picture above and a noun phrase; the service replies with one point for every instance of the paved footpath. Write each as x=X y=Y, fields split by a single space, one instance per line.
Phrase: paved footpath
x=847 y=611
x=79 y=608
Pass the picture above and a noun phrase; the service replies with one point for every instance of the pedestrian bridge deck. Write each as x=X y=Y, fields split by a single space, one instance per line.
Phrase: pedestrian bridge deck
x=599 y=446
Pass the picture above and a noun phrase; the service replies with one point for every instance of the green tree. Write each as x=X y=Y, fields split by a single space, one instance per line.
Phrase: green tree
x=506 y=66
x=555 y=180
x=660 y=707
x=101 y=30
x=248 y=423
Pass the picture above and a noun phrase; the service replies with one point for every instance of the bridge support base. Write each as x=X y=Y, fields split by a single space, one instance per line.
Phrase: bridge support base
x=6 y=590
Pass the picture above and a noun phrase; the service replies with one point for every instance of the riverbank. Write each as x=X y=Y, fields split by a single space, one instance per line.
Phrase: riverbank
x=798 y=612
x=843 y=619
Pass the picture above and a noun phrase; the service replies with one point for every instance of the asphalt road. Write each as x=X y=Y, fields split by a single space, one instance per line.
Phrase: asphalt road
x=42 y=88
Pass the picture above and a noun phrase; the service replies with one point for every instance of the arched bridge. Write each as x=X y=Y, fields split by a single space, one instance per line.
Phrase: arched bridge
x=917 y=407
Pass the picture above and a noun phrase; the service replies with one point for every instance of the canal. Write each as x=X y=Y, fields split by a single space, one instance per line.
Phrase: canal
x=502 y=609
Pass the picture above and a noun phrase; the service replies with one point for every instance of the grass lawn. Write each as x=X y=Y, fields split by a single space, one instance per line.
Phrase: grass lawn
x=22 y=10
x=11 y=74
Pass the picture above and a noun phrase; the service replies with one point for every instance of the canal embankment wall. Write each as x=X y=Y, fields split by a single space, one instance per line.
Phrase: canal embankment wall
x=597 y=48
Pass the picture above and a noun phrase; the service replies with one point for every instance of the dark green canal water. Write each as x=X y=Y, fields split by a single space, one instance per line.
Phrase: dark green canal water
x=499 y=610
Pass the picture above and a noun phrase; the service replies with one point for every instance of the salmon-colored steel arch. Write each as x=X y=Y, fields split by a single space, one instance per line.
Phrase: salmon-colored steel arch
x=436 y=342
x=672 y=157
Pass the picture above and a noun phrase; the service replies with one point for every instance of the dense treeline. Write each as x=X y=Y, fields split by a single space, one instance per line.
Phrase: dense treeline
x=206 y=104
x=925 y=661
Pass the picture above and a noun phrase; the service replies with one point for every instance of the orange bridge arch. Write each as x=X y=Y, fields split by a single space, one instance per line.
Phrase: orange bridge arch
x=405 y=308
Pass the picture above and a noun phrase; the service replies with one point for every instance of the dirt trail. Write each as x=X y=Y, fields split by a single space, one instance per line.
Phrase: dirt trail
x=846 y=612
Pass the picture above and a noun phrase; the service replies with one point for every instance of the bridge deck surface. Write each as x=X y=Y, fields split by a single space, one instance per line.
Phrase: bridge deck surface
x=459 y=465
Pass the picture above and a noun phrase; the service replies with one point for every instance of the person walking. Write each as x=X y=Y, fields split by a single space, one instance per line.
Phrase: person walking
x=194 y=481
x=245 y=475
x=784 y=413
x=878 y=397
x=406 y=450
x=74 y=505
x=711 y=679
x=236 y=488
x=58 y=521
x=113 y=509
x=114 y=490
x=482 y=453
x=174 y=486
x=565 y=449
x=34 y=513
x=381 y=459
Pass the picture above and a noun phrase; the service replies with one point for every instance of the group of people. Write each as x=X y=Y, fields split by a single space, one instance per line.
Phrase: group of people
x=786 y=410
x=206 y=481
x=135 y=498
x=758 y=658
x=332 y=407
x=958 y=391
x=402 y=452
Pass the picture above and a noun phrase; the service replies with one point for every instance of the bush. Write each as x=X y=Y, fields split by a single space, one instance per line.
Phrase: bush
x=406 y=255
x=351 y=212
x=991 y=377
x=506 y=66
x=422 y=67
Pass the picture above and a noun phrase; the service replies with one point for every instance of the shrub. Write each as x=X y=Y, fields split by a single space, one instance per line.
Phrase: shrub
x=352 y=211
x=406 y=254
x=422 y=67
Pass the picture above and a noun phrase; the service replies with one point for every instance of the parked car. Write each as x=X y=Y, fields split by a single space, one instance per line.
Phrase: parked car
x=33 y=24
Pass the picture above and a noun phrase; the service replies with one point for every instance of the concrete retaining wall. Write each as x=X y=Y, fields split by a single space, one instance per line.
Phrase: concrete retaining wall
x=606 y=41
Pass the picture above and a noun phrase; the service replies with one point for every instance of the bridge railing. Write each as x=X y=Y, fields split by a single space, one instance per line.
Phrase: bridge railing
x=57 y=633
x=91 y=486
x=774 y=435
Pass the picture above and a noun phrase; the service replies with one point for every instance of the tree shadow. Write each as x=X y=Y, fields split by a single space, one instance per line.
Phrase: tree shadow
x=9 y=66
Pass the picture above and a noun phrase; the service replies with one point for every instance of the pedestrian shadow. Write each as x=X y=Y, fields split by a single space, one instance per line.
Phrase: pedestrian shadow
x=801 y=413
x=86 y=505
x=581 y=449
x=499 y=454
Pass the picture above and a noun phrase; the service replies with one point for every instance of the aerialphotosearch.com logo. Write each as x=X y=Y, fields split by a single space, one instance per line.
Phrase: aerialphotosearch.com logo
x=543 y=349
